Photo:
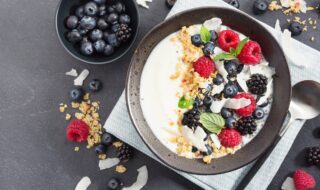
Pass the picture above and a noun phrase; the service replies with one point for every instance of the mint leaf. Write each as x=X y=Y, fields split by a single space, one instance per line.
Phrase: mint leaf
x=240 y=45
x=223 y=56
x=204 y=34
x=184 y=103
x=233 y=51
x=212 y=122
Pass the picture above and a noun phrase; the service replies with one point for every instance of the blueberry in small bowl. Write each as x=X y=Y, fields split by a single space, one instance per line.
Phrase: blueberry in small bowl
x=97 y=31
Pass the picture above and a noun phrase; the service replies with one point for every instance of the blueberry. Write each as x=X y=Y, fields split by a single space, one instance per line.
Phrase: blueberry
x=95 y=85
x=91 y=8
x=231 y=122
x=225 y=113
x=83 y=31
x=102 y=10
x=108 y=50
x=209 y=149
x=105 y=35
x=231 y=67
x=124 y=19
x=112 y=18
x=74 y=36
x=197 y=102
x=86 y=48
x=218 y=79
x=112 y=40
x=76 y=94
x=240 y=68
x=107 y=139
x=207 y=101
x=99 y=46
x=114 y=184
x=88 y=22
x=214 y=35
x=72 y=22
x=120 y=7
x=258 y=113
x=115 y=27
x=230 y=90
x=196 y=40
x=295 y=28
x=96 y=34
x=100 y=2
x=259 y=7
x=100 y=149
x=208 y=48
x=102 y=24
x=111 y=9
x=235 y=3
x=79 y=12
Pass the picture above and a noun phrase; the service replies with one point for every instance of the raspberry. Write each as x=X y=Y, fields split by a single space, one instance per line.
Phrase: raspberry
x=77 y=131
x=204 y=66
x=250 y=53
x=229 y=137
x=248 y=110
x=303 y=180
x=228 y=39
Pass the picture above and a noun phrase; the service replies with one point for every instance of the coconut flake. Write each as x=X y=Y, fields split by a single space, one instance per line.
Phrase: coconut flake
x=72 y=73
x=143 y=3
x=215 y=140
x=222 y=70
x=288 y=184
x=213 y=24
x=79 y=80
x=194 y=29
x=108 y=163
x=235 y=104
x=243 y=77
x=217 y=105
x=141 y=179
x=267 y=94
x=217 y=89
x=83 y=184
x=196 y=138
x=285 y=3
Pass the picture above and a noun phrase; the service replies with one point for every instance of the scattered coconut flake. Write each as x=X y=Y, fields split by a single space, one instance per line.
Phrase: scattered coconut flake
x=215 y=140
x=235 y=104
x=79 y=80
x=243 y=77
x=221 y=69
x=204 y=84
x=285 y=3
x=72 y=73
x=267 y=94
x=213 y=24
x=108 y=163
x=83 y=184
x=246 y=139
x=217 y=105
x=194 y=29
x=141 y=179
x=217 y=89
x=196 y=138
x=143 y=3
x=288 y=184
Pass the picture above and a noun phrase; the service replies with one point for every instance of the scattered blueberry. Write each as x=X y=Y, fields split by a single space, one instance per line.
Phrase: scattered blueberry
x=235 y=3
x=76 y=94
x=88 y=22
x=100 y=149
x=260 y=7
x=218 y=79
x=230 y=90
x=107 y=139
x=207 y=101
x=99 y=46
x=295 y=28
x=86 y=48
x=170 y=3
x=208 y=48
x=95 y=85
x=112 y=40
x=231 y=122
x=114 y=184
x=72 y=22
x=102 y=10
x=231 y=67
x=125 y=19
x=258 y=113
x=112 y=18
x=119 y=7
x=91 y=8
x=79 y=12
x=226 y=113
x=74 y=36
x=100 y=2
x=108 y=50
x=96 y=34
x=214 y=35
x=196 y=40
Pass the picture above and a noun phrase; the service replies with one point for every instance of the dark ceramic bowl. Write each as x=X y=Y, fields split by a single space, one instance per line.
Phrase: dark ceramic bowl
x=63 y=11
x=281 y=97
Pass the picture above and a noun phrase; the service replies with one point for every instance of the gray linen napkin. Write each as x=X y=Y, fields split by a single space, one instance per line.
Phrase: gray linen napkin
x=119 y=123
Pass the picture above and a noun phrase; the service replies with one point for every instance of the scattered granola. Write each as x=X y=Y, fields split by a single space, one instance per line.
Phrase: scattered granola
x=121 y=169
x=76 y=149
x=117 y=144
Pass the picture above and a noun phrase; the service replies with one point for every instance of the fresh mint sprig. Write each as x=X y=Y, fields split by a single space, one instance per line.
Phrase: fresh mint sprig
x=212 y=122
x=205 y=35
x=185 y=103
x=233 y=53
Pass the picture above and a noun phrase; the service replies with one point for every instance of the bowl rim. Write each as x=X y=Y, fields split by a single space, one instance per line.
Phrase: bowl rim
x=97 y=62
x=129 y=107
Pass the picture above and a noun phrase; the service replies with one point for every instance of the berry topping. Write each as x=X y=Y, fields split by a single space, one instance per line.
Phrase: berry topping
x=295 y=28
x=235 y=3
x=214 y=35
x=191 y=118
x=246 y=125
x=258 y=113
x=125 y=152
x=208 y=49
x=114 y=184
x=204 y=66
x=259 y=7
x=303 y=180
x=95 y=85
x=77 y=131
x=226 y=113
x=107 y=139
x=313 y=155
x=228 y=39
x=76 y=94
x=248 y=110
x=231 y=122
x=231 y=67
x=229 y=137
x=230 y=90
x=250 y=53
x=257 y=84
x=218 y=79
x=207 y=101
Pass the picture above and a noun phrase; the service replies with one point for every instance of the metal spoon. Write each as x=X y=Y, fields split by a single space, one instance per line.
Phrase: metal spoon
x=305 y=104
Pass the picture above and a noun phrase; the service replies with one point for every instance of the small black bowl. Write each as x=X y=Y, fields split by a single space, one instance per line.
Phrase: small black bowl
x=65 y=7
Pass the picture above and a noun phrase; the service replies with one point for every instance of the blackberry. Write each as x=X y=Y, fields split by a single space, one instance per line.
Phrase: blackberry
x=123 y=32
x=313 y=155
x=191 y=118
x=125 y=152
x=257 y=84
x=246 y=125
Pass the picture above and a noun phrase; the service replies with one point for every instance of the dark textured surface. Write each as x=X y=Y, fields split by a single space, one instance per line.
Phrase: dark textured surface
x=34 y=153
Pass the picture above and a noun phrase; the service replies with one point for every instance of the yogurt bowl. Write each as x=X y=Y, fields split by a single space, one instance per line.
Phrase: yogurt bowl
x=167 y=87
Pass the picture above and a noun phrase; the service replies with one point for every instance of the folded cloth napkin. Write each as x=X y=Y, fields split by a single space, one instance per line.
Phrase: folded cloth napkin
x=119 y=123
